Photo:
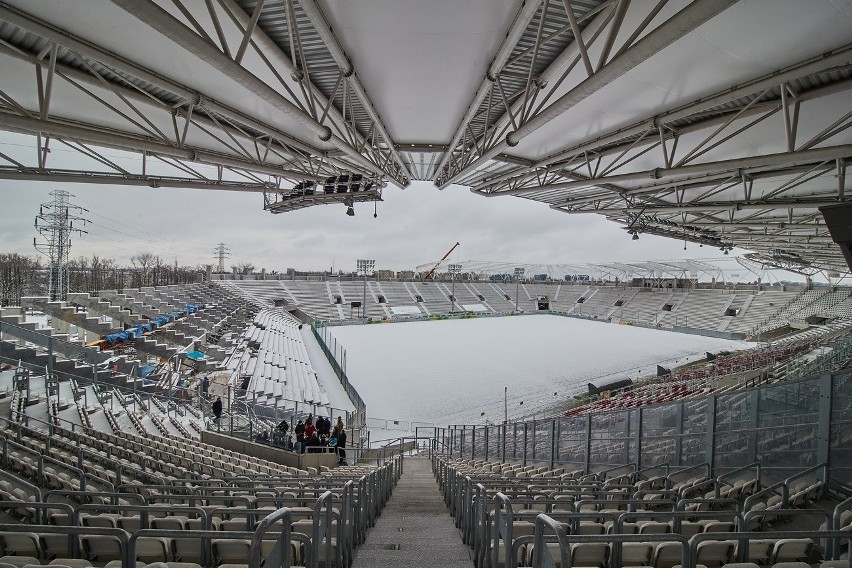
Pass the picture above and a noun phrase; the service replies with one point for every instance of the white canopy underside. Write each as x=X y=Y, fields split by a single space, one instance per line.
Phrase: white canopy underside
x=713 y=121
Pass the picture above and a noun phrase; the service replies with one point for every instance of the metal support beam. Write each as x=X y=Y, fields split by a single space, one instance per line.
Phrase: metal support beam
x=250 y=27
x=519 y=25
x=694 y=207
x=317 y=18
x=779 y=159
x=832 y=59
x=685 y=21
x=122 y=141
x=63 y=176
x=168 y=26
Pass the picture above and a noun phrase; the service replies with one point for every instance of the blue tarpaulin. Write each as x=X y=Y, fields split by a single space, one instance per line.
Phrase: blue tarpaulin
x=146 y=370
x=195 y=355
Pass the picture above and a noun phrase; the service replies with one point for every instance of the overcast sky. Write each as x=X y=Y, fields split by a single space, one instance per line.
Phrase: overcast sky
x=414 y=226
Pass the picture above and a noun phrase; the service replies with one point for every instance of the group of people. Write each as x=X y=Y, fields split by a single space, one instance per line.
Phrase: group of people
x=311 y=437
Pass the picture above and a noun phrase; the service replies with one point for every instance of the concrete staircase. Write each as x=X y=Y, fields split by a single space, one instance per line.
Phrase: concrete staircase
x=103 y=307
x=36 y=354
x=62 y=311
x=128 y=303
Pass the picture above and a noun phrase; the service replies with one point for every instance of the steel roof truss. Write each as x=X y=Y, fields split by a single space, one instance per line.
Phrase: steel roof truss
x=752 y=90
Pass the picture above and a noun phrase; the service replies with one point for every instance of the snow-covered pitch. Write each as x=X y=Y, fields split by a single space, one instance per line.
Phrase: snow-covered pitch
x=450 y=372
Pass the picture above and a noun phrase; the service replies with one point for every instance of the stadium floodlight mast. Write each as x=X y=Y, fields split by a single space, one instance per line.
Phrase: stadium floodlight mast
x=455 y=270
x=519 y=273
x=365 y=267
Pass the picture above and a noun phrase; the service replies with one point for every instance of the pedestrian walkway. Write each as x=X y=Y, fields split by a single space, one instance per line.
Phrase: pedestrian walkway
x=415 y=528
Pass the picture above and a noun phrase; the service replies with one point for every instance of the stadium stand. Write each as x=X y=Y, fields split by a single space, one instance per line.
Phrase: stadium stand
x=275 y=361
x=570 y=486
x=733 y=312
x=89 y=497
x=738 y=459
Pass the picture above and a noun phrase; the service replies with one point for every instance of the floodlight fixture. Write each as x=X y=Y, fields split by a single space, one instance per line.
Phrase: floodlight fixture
x=454 y=270
x=519 y=273
x=365 y=266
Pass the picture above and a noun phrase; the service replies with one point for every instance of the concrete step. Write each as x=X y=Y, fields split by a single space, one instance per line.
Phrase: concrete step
x=153 y=347
x=415 y=526
x=69 y=314
x=102 y=306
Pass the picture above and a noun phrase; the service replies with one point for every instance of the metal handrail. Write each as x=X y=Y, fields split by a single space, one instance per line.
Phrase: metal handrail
x=744 y=537
x=633 y=466
x=706 y=466
x=280 y=555
x=767 y=491
x=823 y=468
x=755 y=465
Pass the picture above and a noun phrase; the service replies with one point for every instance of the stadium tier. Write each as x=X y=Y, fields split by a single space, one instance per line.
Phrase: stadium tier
x=113 y=454
x=725 y=312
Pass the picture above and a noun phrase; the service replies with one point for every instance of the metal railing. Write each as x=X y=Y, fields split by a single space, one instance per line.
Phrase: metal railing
x=683 y=433
x=338 y=363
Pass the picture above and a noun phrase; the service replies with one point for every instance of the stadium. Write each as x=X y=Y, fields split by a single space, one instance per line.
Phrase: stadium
x=207 y=418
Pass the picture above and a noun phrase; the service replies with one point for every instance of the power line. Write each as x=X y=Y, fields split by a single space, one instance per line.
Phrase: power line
x=168 y=245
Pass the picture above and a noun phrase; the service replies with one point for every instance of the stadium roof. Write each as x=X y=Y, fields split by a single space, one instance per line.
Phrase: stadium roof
x=714 y=121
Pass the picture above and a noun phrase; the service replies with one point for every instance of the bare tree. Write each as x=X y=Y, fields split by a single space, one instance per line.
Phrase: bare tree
x=244 y=268
x=20 y=276
x=145 y=262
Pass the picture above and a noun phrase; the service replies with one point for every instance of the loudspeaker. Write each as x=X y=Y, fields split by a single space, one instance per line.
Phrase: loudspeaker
x=838 y=219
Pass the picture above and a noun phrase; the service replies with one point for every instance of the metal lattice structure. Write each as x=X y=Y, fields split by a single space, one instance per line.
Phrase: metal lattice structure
x=55 y=224
x=220 y=253
x=718 y=122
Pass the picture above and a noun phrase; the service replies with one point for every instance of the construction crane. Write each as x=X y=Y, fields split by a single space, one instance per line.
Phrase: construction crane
x=428 y=274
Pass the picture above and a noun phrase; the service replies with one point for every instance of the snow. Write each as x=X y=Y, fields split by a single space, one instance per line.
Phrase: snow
x=453 y=371
x=338 y=400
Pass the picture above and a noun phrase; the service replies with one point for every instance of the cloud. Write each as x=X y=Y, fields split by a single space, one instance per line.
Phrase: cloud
x=414 y=226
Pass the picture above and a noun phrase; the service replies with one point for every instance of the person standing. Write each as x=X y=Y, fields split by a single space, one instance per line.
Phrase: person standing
x=217 y=409
x=300 y=437
x=340 y=434
x=309 y=426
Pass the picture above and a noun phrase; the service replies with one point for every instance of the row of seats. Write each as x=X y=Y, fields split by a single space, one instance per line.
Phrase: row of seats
x=228 y=507
x=496 y=506
x=695 y=380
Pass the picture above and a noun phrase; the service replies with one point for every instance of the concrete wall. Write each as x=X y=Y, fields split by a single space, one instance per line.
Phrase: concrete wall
x=275 y=455
x=709 y=332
